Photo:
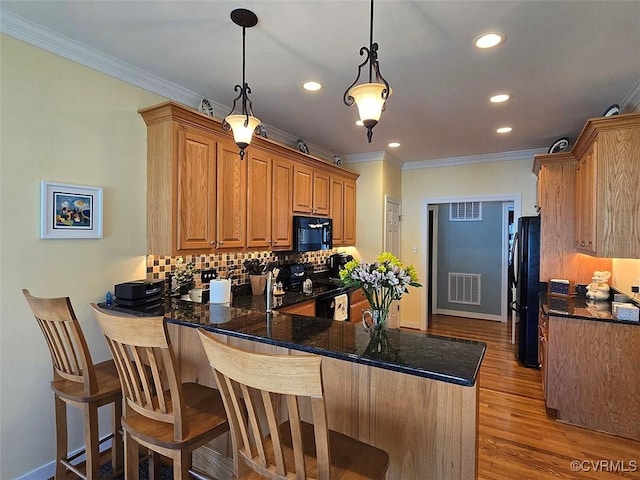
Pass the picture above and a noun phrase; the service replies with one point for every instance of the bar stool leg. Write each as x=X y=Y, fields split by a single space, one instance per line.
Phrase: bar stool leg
x=61 y=436
x=131 y=458
x=91 y=441
x=117 y=445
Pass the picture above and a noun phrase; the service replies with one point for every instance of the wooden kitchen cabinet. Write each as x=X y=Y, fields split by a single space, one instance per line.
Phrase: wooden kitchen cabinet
x=591 y=374
x=311 y=191
x=586 y=184
x=337 y=210
x=282 y=204
x=269 y=199
x=307 y=308
x=231 y=211
x=343 y=211
x=357 y=304
x=201 y=198
x=607 y=193
x=349 y=213
x=259 y=191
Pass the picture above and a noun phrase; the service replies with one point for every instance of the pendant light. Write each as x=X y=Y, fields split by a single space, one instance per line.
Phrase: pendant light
x=244 y=124
x=369 y=97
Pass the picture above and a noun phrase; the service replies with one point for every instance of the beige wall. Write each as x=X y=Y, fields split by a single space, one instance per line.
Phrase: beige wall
x=625 y=273
x=508 y=178
x=66 y=123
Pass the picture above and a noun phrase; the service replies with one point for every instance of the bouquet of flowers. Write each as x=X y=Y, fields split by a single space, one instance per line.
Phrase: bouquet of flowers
x=184 y=272
x=383 y=281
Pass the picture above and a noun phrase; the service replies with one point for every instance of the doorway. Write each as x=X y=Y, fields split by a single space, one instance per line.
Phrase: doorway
x=510 y=210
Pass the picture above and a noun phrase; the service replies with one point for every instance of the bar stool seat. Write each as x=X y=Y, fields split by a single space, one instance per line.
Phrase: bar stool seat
x=79 y=383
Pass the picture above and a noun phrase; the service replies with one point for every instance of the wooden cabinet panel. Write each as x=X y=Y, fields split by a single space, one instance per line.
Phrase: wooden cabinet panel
x=282 y=204
x=231 y=198
x=258 y=199
x=320 y=193
x=196 y=190
x=302 y=189
x=349 y=213
x=310 y=191
x=307 y=308
x=337 y=210
x=357 y=304
x=592 y=374
x=585 y=231
x=542 y=348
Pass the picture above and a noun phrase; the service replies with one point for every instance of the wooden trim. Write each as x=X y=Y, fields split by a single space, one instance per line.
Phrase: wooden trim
x=600 y=124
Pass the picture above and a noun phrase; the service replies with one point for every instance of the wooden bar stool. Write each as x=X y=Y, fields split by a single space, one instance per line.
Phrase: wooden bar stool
x=79 y=383
x=160 y=413
x=255 y=388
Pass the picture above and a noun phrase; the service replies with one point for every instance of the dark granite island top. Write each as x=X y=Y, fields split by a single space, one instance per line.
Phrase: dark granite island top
x=412 y=394
x=414 y=353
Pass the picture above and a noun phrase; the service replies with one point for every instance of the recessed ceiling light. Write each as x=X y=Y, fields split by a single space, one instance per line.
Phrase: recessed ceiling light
x=504 y=129
x=394 y=144
x=489 y=40
x=359 y=123
x=501 y=97
x=312 y=86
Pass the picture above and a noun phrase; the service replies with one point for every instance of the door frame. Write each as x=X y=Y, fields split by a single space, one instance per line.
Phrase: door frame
x=516 y=198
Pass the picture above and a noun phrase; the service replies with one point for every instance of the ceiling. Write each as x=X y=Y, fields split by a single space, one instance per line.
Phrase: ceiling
x=563 y=62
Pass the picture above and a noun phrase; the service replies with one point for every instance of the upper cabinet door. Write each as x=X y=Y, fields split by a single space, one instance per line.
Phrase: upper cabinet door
x=231 y=212
x=321 y=195
x=302 y=189
x=349 y=213
x=258 y=199
x=282 y=206
x=337 y=208
x=196 y=164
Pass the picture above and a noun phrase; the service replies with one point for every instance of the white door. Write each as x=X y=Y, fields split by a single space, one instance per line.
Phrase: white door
x=392 y=245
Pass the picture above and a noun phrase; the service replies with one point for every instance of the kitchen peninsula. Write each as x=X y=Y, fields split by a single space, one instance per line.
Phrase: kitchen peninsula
x=412 y=394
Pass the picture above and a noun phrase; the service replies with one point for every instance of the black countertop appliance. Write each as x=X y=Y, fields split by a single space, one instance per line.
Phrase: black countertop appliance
x=336 y=261
x=292 y=276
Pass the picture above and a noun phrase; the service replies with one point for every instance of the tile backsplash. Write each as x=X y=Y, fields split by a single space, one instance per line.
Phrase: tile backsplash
x=160 y=267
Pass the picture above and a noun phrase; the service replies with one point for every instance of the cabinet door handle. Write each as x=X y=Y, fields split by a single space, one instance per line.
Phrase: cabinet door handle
x=582 y=243
x=212 y=242
x=275 y=242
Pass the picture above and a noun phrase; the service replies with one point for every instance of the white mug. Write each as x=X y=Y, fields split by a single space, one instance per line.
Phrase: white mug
x=195 y=294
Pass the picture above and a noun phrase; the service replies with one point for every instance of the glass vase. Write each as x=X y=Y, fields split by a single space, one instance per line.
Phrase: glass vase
x=375 y=319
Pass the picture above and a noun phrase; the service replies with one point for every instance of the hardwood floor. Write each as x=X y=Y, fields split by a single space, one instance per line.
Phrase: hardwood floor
x=518 y=440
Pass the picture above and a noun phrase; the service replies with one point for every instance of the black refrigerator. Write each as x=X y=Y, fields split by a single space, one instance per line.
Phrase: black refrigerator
x=525 y=261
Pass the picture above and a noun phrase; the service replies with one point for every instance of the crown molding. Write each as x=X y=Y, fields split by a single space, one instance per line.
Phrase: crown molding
x=34 y=34
x=383 y=156
x=364 y=157
x=472 y=159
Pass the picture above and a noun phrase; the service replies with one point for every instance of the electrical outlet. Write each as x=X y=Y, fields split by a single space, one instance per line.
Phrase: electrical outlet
x=635 y=289
x=207 y=275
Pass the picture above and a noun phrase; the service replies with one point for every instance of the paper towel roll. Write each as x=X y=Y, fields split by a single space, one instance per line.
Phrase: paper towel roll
x=220 y=290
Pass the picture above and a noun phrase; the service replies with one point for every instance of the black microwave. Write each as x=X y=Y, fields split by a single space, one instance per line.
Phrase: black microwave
x=311 y=234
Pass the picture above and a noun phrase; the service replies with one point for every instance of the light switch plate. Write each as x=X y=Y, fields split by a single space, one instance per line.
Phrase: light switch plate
x=207 y=275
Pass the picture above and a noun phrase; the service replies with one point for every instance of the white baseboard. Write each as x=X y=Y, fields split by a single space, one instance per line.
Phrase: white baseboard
x=479 y=316
x=48 y=470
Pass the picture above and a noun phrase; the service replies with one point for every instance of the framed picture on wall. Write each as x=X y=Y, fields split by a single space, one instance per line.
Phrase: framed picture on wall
x=70 y=211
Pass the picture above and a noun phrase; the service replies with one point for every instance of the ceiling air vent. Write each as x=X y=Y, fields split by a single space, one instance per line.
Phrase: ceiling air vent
x=465 y=212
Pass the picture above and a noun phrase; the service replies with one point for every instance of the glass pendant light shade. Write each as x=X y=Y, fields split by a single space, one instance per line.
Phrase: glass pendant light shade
x=242 y=133
x=369 y=99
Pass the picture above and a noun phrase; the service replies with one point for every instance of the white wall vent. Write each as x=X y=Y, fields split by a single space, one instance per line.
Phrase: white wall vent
x=464 y=288
x=465 y=212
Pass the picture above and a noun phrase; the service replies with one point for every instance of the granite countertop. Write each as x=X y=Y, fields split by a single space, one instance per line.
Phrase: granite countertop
x=579 y=306
x=414 y=353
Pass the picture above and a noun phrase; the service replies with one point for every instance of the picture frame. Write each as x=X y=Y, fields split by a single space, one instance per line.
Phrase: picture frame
x=70 y=211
